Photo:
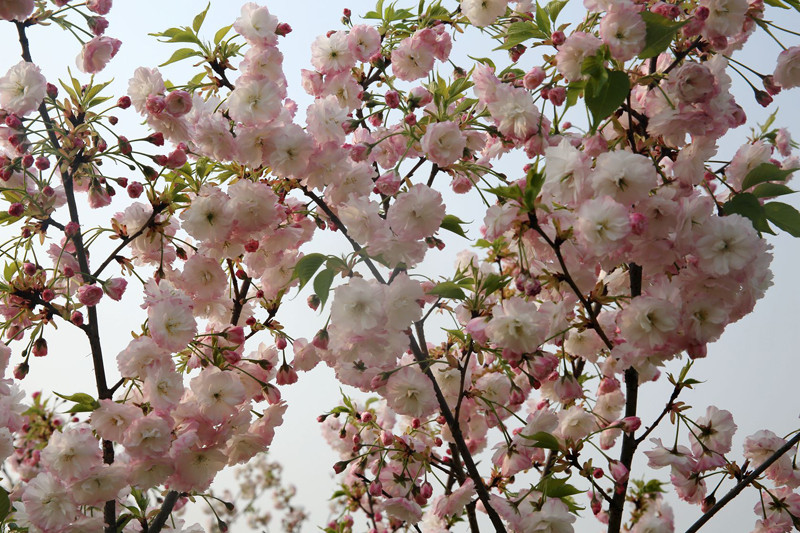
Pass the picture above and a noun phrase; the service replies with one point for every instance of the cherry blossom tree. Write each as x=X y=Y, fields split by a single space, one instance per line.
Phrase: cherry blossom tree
x=501 y=393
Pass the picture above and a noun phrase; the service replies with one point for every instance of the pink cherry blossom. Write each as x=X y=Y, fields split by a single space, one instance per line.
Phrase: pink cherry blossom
x=96 y=54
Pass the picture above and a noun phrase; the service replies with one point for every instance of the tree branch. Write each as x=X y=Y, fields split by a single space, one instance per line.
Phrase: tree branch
x=744 y=483
x=629 y=443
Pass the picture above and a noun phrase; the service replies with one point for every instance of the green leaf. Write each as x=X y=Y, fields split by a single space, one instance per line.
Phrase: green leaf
x=542 y=439
x=221 y=33
x=765 y=172
x=605 y=100
x=322 y=285
x=493 y=282
x=512 y=192
x=184 y=36
x=448 y=289
x=553 y=487
x=542 y=20
x=94 y=90
x=78 y=397
x=5 y=504
x=307 y=266
x=776 y=3
x=533 y=188
x=453 y=223
x=748 y=206
x=180 y=54
x=483 y=61
x=554 y=8
x=9 y=271
x=784 y=216
x=519 y=32
x=198 y=20
x=595 y=67
x=769 y=190
x=660 y=33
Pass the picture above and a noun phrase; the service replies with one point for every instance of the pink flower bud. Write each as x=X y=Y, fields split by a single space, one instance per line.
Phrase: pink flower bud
x=13 y=122
x=76 y=318
x=48 y=295
x=378 y=381
x=558 y=38
x=156 y=138
x=124 y=145
x=29 y=269
x=477 y=329
x=557 y=95
x=40 y=347
x=376 y=488
x=115 y=288
x=629 y=424
x=135 y=189
x=770 y=85
x=89 y=295
x=638 y=223
x=21 y=370
x=419 y=97
x=235 y=335
x=42 y=163
x=618 y=471
x=283 y=29
x=426 y=490
x=320 y=340
x=533 y=78
x=272 y=393
x=286 y=375
x=280 y=343
x=366 y=417
x=389 y=183
x=763 y=98
x=16 y=209
x=340 y=466
x=124 y=102
x=387 y=438
x=178 y=103
x=155 y=104
x=392 y=99
x=98 y=25
x=359 y=152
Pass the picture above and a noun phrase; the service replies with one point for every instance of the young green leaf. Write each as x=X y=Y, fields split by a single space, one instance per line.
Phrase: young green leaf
x=178 y=55
x=198 y=20
x=784 y=216
x=604 y=101
x=448 y=289
x=765 y=172
x=453 y=223
x=748 y=206
x=660 y=33
x=307 y=266
x=322 y=285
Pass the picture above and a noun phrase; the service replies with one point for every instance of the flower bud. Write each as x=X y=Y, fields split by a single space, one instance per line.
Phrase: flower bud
x=39 y=347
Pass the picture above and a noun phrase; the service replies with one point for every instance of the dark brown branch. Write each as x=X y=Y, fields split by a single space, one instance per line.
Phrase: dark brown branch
x=629 y=443
x=458 y=437
x=127 y=240
x=92 y=330
x=744 y=483
x=166 y=508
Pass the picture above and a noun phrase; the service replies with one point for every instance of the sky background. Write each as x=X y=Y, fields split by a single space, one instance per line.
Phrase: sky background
x=752 y=371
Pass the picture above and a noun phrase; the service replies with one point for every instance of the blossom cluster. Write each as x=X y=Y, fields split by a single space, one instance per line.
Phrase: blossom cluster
x=619 y=249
